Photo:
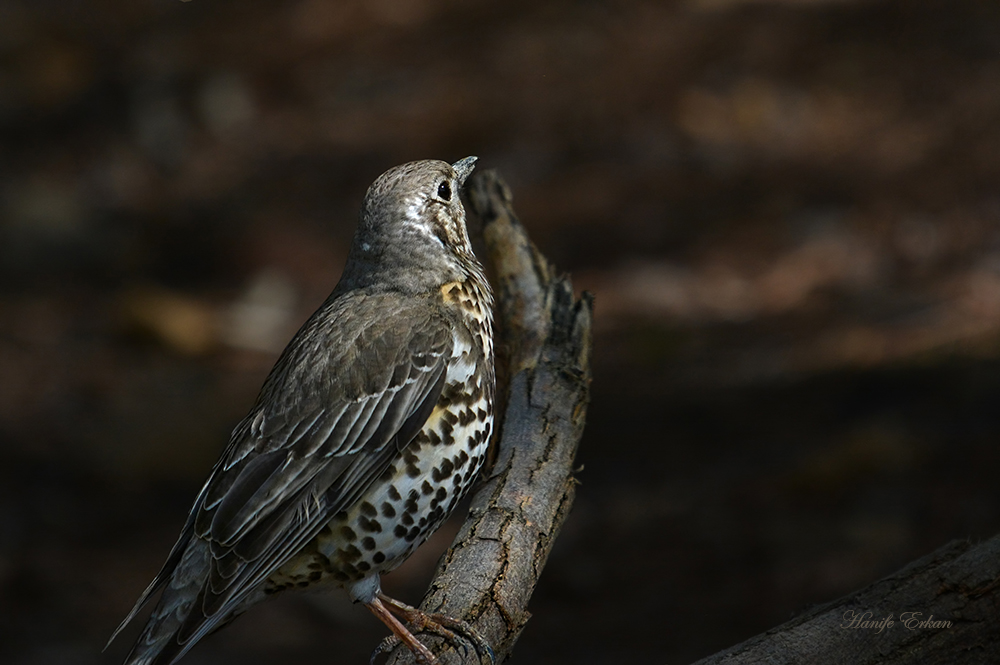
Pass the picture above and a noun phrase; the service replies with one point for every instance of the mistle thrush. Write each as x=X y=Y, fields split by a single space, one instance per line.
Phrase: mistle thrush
x=368 y=431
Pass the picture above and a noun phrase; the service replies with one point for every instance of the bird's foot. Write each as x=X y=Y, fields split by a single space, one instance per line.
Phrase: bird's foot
x=454 y=631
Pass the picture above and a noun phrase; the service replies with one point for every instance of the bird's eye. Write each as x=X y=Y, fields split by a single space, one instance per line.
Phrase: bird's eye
x=444 y=190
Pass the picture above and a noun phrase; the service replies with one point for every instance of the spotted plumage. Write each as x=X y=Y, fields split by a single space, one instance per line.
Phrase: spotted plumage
x=368 y=431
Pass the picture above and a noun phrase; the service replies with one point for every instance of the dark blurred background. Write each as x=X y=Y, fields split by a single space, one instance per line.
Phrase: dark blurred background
x=788 y=211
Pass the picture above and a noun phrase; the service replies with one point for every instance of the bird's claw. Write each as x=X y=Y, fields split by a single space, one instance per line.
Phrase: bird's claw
x=458 y=633
x=385 y=646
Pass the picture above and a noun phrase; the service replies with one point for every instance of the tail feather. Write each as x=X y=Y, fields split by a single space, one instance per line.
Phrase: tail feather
x=168 y=569
x=158 y=643
x=153 y=587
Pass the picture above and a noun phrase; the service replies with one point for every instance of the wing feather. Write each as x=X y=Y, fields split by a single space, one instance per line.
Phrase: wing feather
x=296 y=461
x=350 y=391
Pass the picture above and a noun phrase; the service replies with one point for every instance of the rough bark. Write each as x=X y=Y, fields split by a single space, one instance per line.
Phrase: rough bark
x=489 y=573
x=955 y=584
x=493 y=565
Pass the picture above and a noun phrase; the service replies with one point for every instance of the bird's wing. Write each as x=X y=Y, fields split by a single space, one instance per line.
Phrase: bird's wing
x=352 y=389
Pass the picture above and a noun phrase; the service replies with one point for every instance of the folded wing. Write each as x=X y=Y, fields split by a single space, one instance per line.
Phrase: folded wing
x=352 y=389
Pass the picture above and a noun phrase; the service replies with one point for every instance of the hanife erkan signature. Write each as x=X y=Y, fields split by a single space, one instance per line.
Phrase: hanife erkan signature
x=910 y=620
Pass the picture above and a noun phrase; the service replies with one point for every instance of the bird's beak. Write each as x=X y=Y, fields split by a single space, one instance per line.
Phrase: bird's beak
x=463 y=168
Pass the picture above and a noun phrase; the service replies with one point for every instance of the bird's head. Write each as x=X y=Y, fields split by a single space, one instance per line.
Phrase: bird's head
x=412 y=225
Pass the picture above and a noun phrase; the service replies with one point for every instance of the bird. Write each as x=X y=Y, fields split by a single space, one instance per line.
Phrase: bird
x=368 y=431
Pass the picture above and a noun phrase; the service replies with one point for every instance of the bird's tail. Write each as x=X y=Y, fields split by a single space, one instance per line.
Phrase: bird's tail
x=158 y=644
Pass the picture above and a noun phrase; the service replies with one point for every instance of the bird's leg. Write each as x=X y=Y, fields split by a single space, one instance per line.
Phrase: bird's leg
x=454 y=631
x=422 y=653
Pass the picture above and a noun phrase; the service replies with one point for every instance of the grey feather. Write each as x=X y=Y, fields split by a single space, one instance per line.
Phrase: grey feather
x=352 y=389
x=252 y=514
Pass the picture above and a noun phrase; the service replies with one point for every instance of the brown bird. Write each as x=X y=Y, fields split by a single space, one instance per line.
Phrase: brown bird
x=368 y=431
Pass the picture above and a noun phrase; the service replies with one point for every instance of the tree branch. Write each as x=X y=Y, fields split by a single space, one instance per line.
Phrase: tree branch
x=489 y=573
x=493 y=565
x=956 y=584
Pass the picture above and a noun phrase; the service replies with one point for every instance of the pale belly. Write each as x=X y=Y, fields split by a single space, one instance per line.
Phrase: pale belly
x=403 y=506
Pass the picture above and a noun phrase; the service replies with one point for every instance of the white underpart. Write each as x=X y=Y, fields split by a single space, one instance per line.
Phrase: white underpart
x=462 y=366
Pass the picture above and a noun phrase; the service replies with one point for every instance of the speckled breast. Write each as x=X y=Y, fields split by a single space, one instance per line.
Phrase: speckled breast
x=427 y=479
